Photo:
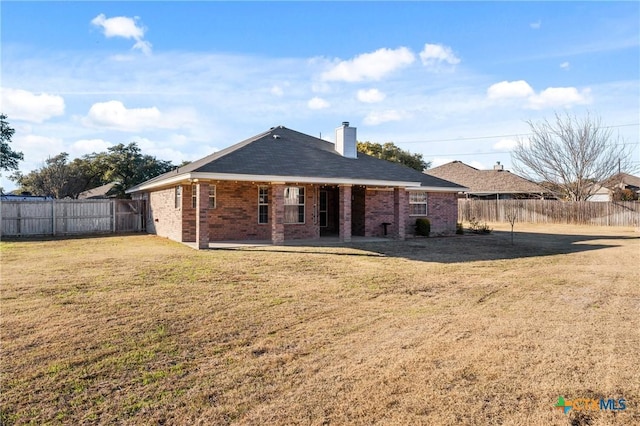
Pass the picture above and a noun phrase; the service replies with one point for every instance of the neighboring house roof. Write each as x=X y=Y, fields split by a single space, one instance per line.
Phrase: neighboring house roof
x=282 y=154
x=624 y=180
x=619 y=180
x=97 y=192
x=485 y=181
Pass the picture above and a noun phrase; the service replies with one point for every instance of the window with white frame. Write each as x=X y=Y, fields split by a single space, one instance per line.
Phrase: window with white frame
x=178 y=197
x=294 y=204
x=417 y=203
x=212 y=196
x=263 y=204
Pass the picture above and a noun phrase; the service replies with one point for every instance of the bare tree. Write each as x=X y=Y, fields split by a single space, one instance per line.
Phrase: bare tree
x=511 y=213
x=570 y=156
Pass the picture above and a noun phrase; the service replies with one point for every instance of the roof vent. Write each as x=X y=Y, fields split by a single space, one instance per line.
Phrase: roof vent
x=276 y=136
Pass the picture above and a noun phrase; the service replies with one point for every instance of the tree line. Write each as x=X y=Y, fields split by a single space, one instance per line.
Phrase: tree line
x=60 y=177
x=123 y=165
x=568 y=156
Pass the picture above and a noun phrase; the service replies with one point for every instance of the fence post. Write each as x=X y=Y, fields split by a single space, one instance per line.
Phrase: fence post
x=53 y=217
x=19 y=221
x=113 y=215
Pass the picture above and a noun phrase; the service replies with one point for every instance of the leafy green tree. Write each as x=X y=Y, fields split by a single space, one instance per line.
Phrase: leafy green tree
x=390 y=152
x=126 y=165
x=123 y=164
x=54 y=179
x=8 y=157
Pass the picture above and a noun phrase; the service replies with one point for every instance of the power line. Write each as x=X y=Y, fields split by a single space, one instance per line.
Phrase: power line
x=466 y=138
x=472 y=153
x=499 y=152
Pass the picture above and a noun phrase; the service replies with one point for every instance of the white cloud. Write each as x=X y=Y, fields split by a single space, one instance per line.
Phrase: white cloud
x=551 y=97
x=144 y=46
x=536 y=25
x=554 y=97
x=318 y=103
x=434 y=56
x=370 y=66
x=88 y=146
x=44 y=146
x=565 y=65
x=378 y=117
x=505 y=144
x=277 y=91
x=23 y=105
x=114 y=115
x=168 y=149
x=510 y=89
x=370 y=96
x=125 y=27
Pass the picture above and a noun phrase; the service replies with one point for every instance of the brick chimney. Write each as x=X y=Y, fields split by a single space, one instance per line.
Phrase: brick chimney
x=346 y=140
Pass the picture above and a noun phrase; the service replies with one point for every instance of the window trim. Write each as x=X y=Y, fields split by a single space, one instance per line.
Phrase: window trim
x=213 y=195
x=301 y=189
x=424 y=203
x=177 y=197
x=261 y=204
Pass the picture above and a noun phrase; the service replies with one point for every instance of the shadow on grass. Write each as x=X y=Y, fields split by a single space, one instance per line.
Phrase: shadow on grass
x=63 y=237
x=454 y=249
x=466 y=248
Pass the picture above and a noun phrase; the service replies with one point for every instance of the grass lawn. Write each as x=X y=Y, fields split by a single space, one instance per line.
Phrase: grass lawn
x=439 y=331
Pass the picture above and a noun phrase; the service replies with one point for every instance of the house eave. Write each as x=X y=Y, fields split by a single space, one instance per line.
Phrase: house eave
x=437 y=189
x=277 y=178
x=504 y=192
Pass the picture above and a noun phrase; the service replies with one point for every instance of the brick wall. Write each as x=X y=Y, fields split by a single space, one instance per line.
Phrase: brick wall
x=358 y=211
x=236 y=214
x=400 y=212
x=379 y=209
x=442 y=212
x=189 y=214
x=164 y=219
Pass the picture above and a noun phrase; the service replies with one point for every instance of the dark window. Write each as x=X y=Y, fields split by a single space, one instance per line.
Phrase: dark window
x=263 y=204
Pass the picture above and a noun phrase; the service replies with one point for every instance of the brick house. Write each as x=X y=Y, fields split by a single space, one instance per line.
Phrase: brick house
x=283 y=184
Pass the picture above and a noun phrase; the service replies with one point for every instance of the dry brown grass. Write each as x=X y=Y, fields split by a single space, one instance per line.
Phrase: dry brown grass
x=463 y=330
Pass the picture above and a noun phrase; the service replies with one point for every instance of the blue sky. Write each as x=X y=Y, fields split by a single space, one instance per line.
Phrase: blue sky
x=453 y=81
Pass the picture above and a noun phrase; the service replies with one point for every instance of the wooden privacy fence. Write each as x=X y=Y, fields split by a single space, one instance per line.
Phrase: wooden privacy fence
x=625 y=213
x=65 y=217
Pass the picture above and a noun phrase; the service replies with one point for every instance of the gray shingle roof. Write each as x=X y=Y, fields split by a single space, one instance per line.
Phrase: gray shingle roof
x=485 y=181
x=284 y=152
x=625 y=178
